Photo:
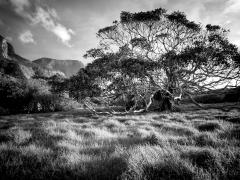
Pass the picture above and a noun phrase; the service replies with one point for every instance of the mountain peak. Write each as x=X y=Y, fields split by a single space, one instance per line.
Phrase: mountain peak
x=6 y=48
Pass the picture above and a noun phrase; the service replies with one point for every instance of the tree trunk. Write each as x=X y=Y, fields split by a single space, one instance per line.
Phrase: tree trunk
x=160 y=101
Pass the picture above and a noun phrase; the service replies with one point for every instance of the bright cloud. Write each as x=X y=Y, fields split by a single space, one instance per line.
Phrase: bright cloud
x=44 y=16
x=46 y=19
x=63 y=33
x=26 y=37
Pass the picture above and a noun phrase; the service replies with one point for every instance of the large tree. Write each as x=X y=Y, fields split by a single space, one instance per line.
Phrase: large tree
x=164 y=50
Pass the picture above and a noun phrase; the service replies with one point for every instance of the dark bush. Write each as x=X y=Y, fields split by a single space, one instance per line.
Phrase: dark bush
x=18 y=96
x=13 y=94
x=43 y=103
x=210 y=126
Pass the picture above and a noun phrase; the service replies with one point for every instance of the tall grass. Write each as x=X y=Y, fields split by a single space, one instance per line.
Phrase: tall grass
x=190 y=145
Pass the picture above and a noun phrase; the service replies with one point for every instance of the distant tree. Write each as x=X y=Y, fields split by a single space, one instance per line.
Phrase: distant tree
x=58 y=84
x=38 y=73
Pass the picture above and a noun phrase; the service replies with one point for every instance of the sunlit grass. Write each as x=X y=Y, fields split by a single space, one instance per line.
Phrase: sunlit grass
x=191 y=145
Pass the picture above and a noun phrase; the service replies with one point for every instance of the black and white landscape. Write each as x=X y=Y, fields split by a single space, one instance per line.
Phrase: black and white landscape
x=131 y=89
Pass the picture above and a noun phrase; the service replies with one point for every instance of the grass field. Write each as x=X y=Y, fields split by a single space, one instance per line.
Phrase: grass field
x=199 y=144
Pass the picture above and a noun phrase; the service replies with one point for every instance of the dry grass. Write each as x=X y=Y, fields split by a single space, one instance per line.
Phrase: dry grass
x=74 y=145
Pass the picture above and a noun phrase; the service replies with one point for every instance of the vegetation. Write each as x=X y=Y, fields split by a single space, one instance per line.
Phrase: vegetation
x=10 y=68
x=30 y=96
x=200 y=144
x=142 y=55
x=148 y=51
x=146 y=58
x=82 y=86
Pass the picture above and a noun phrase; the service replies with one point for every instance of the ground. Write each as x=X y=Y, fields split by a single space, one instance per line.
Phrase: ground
x=193 y=144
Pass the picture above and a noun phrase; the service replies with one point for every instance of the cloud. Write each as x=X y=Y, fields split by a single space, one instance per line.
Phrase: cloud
x=232 y=7
x=46 y=19
x=27 y=37
x=19 y=5
x=39 y=14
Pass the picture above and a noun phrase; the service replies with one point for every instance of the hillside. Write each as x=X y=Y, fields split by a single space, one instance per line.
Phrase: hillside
x=45 y=66
x=25 y=86
x=27 y=67
x=68 y=67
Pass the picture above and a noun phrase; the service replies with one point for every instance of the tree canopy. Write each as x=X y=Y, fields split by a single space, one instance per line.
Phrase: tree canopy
x=155 y=49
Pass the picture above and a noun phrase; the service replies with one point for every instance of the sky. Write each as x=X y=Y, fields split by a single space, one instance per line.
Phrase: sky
x=66 y=29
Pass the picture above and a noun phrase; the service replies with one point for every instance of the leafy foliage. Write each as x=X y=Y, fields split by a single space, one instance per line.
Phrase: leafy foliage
x=82 y=86
x=154 y=15
x=180 y=47
x=58 y=84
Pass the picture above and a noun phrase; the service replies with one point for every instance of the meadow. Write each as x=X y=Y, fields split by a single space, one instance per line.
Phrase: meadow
x=193 y=144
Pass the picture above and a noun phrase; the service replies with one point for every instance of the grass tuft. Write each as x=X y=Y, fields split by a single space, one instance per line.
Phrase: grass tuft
x=205 y=139
x=177 y=129
x=18 y=135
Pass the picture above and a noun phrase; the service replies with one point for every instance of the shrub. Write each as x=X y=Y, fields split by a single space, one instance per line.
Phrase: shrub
x=13 y=94
x=22 y=96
